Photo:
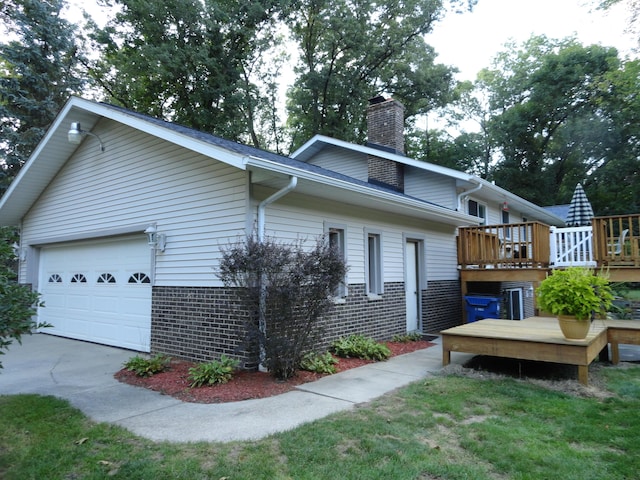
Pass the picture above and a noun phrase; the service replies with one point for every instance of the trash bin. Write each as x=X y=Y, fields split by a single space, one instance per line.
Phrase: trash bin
x=481 y=306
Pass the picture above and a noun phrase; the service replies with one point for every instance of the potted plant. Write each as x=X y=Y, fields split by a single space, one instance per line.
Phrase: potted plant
x=576 y=295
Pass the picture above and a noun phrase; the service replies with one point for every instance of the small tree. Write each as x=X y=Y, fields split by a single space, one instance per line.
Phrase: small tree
x=286 y=290
x=17 y=302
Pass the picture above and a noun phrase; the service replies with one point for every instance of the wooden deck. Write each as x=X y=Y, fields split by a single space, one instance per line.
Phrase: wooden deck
x=535 y=338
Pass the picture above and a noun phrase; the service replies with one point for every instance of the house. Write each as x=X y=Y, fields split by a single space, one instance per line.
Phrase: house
x=124 y=216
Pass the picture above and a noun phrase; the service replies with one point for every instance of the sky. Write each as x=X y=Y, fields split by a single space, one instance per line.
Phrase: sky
x=469 y=41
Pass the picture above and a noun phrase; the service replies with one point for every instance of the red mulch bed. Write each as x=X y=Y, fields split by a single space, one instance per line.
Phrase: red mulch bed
x=245 y=385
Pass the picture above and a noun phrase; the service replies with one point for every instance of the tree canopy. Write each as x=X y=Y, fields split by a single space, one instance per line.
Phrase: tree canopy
x=547 y=114
x=39 y=69
x=352 y=51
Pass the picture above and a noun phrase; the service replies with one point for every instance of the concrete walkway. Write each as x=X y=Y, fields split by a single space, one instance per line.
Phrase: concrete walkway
x=82 y=373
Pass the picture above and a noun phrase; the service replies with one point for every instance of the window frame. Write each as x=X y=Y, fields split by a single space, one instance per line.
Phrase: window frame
x=374 y=271
x=332 y=229
x=479 y=208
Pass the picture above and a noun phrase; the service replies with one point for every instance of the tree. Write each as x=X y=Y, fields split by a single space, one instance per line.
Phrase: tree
x=614 y=187
x=197 y=63
x=471 y=150
x=354 y=50
x=286 y=290
x=17 y=302
x=547 y=120
x=39 y=68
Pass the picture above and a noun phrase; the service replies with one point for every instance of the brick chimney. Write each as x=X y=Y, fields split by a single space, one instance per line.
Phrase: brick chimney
x=385 y=129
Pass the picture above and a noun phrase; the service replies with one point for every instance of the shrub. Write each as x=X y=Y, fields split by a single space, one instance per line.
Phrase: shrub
x=407 y=337
x=18 y=303
x=286 y=289
x=146 y=367
x=319 y=363
x=359 y=346
x=215 y=371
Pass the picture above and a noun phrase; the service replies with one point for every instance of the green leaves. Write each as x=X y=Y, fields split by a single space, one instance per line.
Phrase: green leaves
x=210 y=373
x=358 y=346
x=146 y=367
x=18 y=303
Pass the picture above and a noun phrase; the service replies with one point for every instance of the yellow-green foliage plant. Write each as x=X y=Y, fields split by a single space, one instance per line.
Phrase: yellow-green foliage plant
x=575 y=291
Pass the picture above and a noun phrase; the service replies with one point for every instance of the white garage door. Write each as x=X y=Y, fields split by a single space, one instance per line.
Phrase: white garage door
x=98 y=291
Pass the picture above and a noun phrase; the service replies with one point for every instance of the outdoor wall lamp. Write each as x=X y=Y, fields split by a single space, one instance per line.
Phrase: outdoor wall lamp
x=20 y=253
x=156 y=241
x=505 y=207
x=76 y=134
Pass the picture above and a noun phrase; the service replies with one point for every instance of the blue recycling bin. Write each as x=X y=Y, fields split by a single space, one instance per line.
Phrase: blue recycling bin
x=481 y=306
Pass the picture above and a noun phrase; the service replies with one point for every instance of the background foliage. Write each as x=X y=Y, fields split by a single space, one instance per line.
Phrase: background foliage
x=542 y=117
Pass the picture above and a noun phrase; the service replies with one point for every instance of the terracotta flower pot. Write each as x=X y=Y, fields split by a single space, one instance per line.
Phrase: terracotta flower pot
x=572 y=328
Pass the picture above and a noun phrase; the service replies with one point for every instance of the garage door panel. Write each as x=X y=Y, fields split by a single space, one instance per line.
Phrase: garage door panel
x=87 y=294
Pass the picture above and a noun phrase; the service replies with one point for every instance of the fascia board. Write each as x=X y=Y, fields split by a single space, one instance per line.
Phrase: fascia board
x=199 y=146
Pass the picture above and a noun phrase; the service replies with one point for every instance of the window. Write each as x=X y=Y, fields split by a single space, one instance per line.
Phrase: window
x=78 y=278
x=106 y=278
x=337 y=241
x=478 y=210
x=374 y=264
x=139 y=278
x=55 y=278
x=505 y=220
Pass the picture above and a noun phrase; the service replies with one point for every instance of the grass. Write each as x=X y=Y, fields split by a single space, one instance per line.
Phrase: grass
x=441 y=428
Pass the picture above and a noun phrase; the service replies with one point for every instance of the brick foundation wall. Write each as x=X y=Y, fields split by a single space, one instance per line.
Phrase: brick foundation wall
x=380 y=319
x=442 y=306
x=203 y=323
x=198 y=324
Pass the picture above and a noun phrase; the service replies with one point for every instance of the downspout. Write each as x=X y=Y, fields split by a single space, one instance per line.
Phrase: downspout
x=466 y=193
x=262 y=206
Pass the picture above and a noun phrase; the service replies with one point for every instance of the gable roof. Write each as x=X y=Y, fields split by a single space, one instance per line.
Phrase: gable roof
x=267 y=168
x=488 y=191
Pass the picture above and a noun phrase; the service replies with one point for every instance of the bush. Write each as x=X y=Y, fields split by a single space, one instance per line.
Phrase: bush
x=18 y=303
x=287 y=290
x=359 y=346
x=407 y=337
x=146 y=367
x=319 y=363
x=210 y=373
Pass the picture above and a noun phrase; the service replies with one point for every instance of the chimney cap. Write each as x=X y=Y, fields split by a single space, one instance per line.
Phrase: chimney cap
x=377 y=100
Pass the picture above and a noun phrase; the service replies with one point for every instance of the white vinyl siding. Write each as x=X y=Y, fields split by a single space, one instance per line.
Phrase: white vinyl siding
x=295 y=217
x=198 y=203
x=431 y=187
x=350 y=163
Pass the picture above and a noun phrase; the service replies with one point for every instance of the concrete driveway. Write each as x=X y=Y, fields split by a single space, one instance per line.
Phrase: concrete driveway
x=82 y=373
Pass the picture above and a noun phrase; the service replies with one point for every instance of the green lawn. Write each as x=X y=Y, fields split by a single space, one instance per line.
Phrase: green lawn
x=446 y=427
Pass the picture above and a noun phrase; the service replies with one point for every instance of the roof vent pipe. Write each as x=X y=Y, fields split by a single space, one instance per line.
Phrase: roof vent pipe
x=465 y=194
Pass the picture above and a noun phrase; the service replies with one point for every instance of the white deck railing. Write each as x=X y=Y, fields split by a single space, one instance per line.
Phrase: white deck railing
x=572 y=246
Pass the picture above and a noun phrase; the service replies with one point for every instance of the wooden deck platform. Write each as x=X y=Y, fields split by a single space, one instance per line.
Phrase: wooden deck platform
x=535 y=338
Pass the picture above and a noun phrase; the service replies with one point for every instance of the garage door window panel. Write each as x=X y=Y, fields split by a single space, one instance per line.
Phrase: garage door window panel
x=139 y=278
x=106 y=278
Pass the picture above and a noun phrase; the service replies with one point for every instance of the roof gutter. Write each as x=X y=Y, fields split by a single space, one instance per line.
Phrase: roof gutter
x=465 y=194
x=293 y=182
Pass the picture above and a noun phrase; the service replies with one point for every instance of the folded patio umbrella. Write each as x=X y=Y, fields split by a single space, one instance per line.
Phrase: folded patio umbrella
x=580 y=211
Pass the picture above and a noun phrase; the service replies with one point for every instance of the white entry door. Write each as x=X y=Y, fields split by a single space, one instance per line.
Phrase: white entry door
x=412 y=285
x=98 y=291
